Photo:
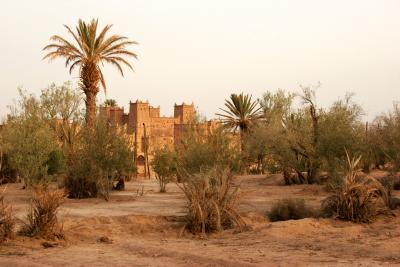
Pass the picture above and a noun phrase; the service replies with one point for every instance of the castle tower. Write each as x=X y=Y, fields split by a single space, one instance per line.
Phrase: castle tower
x=114 y=115
x=184 y=113
x=139 y=113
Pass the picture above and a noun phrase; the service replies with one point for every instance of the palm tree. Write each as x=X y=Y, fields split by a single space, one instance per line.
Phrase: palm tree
x=89 y=52
x=241 y=112
x=110 y=103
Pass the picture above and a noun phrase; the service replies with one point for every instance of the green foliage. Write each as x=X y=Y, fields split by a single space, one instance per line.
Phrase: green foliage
x=385 y=131
x=256 y=148
x=200 y=149
x=61 y=102
x=28 y=139
x=110 y=103
x=88 y=50
x=290 y=209
x=276 y=106
x=293 y=135
x=341 y=129
x=7 y=173
x=164 y=165
x=62 y=107
x=56 y=162
x=34 y=130
x=104 y=154
x=240 y=113
x=305 y=140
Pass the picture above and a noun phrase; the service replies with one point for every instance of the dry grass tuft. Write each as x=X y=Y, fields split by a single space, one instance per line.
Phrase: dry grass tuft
x=212 y=202
x=290 y=209
x=358 y=199
x=42 y=217
x=7 y=221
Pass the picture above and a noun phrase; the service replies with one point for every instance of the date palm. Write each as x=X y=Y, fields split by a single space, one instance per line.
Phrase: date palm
x=89 y=51
x=240 y=113
x=110 y=103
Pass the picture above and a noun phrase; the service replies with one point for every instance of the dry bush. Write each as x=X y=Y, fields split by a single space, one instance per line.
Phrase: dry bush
x=7 y=221
x=212 y=201
x=42 y=217
x=290 y=209
x=358 y=198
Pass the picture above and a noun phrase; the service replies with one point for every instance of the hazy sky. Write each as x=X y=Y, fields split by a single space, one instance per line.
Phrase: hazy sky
x=203 y=51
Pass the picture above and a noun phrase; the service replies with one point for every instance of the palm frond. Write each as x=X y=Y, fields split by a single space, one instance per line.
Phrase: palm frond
x=240 y=111
x=89 y=49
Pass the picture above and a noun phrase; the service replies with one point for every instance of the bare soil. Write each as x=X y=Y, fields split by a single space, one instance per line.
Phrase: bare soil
x=141 y=227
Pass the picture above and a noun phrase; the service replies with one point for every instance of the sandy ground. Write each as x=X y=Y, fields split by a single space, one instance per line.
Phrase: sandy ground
x=144 y=231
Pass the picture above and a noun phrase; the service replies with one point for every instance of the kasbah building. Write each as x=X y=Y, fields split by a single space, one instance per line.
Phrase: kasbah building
x=150 y=131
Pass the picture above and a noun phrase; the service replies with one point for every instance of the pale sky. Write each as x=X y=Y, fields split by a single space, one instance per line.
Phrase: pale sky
x=202 y=51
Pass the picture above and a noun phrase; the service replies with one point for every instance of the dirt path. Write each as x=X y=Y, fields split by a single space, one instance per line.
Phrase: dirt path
x=144 y=232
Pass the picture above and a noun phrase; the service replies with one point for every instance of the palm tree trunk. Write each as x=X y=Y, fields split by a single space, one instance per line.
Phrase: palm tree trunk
x=90 y=78
x=90 y=108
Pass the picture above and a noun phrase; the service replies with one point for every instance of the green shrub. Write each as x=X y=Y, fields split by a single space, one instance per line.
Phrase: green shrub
x=386 y=133
x=290 y=209
x=56 y=162
x=28 y=140
x=7 y=173
x=302 y=142
x=200 y=149
x=164 y=165
x=103 y=154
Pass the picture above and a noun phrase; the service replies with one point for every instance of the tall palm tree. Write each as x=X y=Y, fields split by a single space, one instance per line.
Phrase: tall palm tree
x=90 y=51
x=241 y=112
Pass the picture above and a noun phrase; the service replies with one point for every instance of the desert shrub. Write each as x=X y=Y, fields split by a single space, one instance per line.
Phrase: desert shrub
x=28 y=139
x=358 y=198
x=290 y=209
x=42 y=216
x=386 y=131
x=341 y=127
x=56 y=162
x=7 y=173
x=294 y=134
x=164 y=165
x=390 y=183
x=200 y=149
x=255 y=148
x=104 y=154
x=211 y=201
x=304 y=141
x=7 y=221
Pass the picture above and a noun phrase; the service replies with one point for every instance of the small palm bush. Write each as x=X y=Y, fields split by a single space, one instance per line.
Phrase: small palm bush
x=42 y=217
x=358 y=199
x=290 y=209
x=211 y=201
x=7 y=221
